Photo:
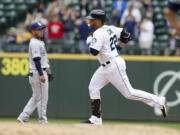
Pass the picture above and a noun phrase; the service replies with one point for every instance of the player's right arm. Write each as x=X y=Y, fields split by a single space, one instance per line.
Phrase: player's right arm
x=36 y=58
x=95 y=42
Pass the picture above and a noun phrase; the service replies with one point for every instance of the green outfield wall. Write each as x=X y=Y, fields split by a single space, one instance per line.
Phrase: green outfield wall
x=68 y=93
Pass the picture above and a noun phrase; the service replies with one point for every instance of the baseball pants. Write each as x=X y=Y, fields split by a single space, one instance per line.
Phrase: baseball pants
x=39 y=98
x=115 y=73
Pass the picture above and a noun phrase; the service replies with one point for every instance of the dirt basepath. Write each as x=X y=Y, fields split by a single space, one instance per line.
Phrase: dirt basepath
x=7 y=128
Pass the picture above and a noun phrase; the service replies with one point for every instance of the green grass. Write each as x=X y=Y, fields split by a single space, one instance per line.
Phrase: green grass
x=68 y=121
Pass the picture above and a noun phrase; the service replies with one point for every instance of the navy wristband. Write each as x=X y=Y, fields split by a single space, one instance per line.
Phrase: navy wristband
x=118 y=47
x=124 y=41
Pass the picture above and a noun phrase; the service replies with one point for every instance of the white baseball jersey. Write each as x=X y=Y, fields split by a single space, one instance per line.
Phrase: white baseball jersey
x=37 y=49
x=105 y=40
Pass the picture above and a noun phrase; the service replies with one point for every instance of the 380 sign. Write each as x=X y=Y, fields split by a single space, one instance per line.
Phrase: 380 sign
x=14 y=66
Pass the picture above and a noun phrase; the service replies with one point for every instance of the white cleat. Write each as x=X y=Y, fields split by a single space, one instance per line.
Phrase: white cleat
x=95 y=120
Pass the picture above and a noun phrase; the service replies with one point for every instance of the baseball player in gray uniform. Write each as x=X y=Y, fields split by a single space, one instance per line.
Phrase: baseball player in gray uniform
x=172 y=15
x=38 y=77
x=104 y=43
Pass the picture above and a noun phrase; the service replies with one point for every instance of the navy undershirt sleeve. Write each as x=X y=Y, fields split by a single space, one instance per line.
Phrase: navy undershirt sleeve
x=38 y=65
x=118 y=47
x=94 y=51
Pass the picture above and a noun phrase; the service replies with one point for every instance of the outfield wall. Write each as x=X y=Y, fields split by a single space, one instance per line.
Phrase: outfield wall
x=68 y=93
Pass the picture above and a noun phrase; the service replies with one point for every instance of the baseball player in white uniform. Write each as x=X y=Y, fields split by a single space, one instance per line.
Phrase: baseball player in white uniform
x=104 y=43
x=38 y=77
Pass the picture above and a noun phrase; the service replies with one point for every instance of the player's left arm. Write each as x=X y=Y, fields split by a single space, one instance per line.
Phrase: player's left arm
x=123 y=37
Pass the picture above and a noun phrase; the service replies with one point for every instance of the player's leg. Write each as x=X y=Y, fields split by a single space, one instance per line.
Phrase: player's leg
x=32 y=103
x=97 y=82
x=43 y=99
x=171 y=13
x=120 y=80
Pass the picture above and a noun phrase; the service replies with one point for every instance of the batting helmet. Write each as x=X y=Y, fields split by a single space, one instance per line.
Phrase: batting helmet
x=97 y=14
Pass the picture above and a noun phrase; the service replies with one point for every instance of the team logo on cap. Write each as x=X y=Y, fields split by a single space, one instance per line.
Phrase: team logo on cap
x=39 y=24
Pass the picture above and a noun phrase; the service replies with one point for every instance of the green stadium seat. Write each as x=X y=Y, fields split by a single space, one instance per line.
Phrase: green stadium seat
x=160 y=23
x=155 y=3
x=21 y=7
x=1 y=13
x=12 y=11
x=3 y=20
x=3 y=24
x=1 y=6
x=163 y=3
x=7 y=1
x=157 y=9
x=19 y=1
x=159 y=17
x=31 y=2
x=108 y=9
x=10 y=7
x=10 y=14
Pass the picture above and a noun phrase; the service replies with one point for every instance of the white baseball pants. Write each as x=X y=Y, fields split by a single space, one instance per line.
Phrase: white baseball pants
x=39 y=98
x=115 y=73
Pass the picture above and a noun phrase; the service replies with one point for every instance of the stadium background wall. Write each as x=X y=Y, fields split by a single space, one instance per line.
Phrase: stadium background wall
x=68 y=93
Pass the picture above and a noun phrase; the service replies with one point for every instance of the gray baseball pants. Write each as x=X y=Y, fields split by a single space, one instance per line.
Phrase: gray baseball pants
x=39 y=98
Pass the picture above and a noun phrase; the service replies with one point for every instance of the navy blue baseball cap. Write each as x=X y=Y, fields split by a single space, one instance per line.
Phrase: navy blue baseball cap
x=36 y=26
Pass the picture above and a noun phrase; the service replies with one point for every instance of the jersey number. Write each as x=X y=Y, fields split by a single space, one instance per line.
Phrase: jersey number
x=113 y=42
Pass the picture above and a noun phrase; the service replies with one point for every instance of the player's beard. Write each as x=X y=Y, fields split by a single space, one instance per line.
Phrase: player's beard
x=93 y=26
x=38 y=36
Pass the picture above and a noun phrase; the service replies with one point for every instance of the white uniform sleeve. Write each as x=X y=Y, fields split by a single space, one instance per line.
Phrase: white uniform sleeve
x=97 y=41
x=118 y=31
x=35 y=50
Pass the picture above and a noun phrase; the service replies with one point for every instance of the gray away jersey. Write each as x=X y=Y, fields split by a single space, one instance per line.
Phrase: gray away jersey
x=37 y=49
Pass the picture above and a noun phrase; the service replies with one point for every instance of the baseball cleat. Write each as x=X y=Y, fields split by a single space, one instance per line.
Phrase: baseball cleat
x=94 y=120
x=87 y=122
x=21 y=121
x=164 y=110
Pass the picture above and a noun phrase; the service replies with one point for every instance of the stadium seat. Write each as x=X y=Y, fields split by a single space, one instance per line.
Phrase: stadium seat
x=3 y=24
x=1 y=6
x=1 y=13
x=157 y=9
x=21 y=7
x=161 y=32
x=10 y=14
x=10 y=7
x=7 y=1
x=155 y=2
x=19 y=1
x=31 y=2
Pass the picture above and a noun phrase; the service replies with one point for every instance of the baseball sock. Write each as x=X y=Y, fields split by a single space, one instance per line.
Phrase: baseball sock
x=96 y=107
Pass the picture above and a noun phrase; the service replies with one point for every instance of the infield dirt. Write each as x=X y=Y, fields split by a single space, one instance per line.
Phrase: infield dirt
x=8 y=128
